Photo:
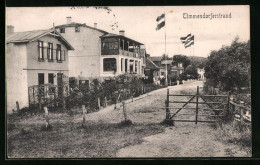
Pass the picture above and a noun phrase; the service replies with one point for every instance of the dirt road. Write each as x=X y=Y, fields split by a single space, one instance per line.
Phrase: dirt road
x=181 y=140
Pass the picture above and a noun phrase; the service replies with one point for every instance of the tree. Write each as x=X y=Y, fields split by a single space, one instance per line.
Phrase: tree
x=228 y=68
x=183 y=59
x=192 y=71
x=165 y=57
x=198 y=62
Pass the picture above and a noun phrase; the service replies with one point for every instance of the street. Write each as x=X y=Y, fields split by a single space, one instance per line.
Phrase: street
x=181 y=140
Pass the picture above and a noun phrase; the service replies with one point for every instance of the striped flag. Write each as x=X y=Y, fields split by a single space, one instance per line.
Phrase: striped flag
x=188 y=40
x=184 y=39
x=189 y=43
x=160 y=21
x=160 y=17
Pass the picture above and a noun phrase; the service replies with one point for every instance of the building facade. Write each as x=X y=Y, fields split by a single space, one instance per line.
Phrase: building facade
x=99 y=53
x=34 y=58
x=120 y=54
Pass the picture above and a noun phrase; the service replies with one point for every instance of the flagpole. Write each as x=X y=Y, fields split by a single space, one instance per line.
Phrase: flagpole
x=193 y=45
x=166 y=81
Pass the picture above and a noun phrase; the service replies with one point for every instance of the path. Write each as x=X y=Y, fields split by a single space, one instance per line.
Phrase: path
x=181 y=140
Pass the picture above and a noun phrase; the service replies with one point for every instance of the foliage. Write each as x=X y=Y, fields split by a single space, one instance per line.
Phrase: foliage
x=229 y=67
x=183 y=59
x=183 y=76
x=173 y=77
x=165 y=57
x=113 y=88
x=192 y=71
x=198 y=62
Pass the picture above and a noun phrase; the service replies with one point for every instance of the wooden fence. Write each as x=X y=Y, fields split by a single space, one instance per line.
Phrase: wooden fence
x=241 y=112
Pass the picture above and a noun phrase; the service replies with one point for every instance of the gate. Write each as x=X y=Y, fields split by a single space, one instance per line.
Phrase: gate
x=215 y=106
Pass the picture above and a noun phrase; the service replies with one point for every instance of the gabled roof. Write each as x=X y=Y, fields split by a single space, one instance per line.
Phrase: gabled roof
x=155 y=58
x=30 y=36
x=121 y=36
x=151 y=65
x=74 y=24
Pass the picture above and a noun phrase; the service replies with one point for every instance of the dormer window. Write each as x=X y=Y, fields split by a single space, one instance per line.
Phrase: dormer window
x=62 y=30
x=77 y=29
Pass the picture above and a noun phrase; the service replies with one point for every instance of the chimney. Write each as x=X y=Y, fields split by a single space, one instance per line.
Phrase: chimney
x=10 y=30
x=95 y=25
x=68 y=20
x=122 y=32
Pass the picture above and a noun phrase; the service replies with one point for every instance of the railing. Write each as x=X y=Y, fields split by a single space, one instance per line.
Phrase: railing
x=126 y=53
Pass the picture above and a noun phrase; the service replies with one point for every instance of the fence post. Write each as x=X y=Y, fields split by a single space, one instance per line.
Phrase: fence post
x=98 y=101
x=124 y=110
x=167 y=106
x=84 y=115
x=241 y=112
x=47 y=120
x=17 y=106
x=197 y=103
x=105 y=105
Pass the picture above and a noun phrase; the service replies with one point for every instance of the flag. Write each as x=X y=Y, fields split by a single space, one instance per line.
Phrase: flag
x=189 y=44
x=160 y=22
x=160 y=17
x=189 y=39
x=160 y=25
x=184 y=39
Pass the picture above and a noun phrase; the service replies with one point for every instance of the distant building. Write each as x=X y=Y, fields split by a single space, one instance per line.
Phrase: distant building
x=152 y=71
x=99 y=53
x=177 y=68
x=34 y=58
x=172 y=66
x=201 y=73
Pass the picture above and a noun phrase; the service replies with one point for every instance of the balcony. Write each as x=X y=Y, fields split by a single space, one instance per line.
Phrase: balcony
x=120 y=52
x=127 y=53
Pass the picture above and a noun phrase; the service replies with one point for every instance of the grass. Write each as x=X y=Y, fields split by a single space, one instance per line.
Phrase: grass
x=27 y=139
x=235 y=133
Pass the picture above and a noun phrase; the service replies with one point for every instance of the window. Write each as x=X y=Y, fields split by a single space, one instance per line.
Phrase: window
x=51 y=78
x=62 y=30
x=40 y=78
x=50 y=52
x=162 y=73
x=40 y=50
x=58 y=52
x=51 y=81
x=77 y=29
x=41 y=82
x=113 y=45
x=109 y=64
x=104 y=45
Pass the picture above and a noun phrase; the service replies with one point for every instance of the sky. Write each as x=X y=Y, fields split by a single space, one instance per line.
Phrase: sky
x=140 y=24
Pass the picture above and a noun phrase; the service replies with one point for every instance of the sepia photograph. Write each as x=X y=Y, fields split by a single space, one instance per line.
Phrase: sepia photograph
x=128 y=82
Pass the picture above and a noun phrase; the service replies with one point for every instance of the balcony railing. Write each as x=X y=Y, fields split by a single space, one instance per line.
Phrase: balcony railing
x=120 y=52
